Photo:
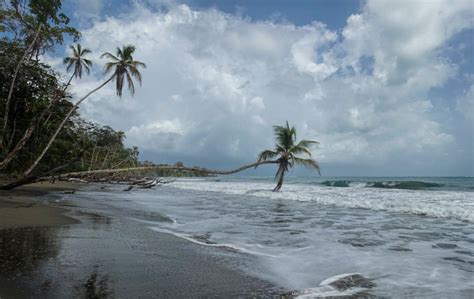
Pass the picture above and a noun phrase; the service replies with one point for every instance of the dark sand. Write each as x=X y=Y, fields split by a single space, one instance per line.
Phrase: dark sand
x=18 y=209
x=107 y=255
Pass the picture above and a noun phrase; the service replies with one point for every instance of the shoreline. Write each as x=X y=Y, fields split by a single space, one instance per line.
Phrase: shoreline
x=20 y=207
x=85 y=248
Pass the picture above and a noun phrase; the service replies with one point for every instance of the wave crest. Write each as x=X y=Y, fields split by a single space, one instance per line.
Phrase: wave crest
x=410 y=185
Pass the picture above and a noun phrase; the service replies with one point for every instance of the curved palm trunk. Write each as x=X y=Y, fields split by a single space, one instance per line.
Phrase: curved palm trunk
x=150 y=168
x=131 y=169
x=66 y=118
x=29 y=132
x=280 y=175
x=240 y=168
x=280 y=181
x=12 y=84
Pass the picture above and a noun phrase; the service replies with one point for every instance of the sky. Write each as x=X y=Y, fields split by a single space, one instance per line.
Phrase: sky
x=386 y=87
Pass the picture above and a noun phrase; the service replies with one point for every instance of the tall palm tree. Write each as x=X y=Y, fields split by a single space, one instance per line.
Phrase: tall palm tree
x=78 y=62
x=123 y=67
x=286 y=149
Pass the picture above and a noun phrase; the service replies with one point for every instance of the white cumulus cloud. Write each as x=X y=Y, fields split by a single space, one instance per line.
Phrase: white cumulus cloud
x=215 y=82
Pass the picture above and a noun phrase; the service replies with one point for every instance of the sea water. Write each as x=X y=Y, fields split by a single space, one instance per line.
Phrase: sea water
x=413 y=237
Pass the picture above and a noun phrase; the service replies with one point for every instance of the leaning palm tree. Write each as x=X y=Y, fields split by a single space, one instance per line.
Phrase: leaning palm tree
x=286 y=150
x=78 y=62
x=123 y=67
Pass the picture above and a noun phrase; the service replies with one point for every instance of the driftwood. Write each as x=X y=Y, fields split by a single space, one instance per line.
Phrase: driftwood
x=77 y=180
x=148 y=184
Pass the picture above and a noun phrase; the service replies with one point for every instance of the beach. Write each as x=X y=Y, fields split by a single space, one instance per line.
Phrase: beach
x=54 y=248
x=235 y=238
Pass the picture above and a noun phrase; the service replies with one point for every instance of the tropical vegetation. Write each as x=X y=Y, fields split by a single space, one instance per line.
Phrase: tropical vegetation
x=41 y=128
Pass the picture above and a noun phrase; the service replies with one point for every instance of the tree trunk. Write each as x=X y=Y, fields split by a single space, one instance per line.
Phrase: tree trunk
x=92 y=158
x=12 y=84
x=32 y=178
x=35 y=123
x=66 y=118
x=159 y=167
x=12 y=154
x=280 y=181
x=105 y=159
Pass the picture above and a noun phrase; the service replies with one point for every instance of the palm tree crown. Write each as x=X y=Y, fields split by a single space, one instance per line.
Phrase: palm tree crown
x=124 y=68
x=77 y=61
x=287 y=150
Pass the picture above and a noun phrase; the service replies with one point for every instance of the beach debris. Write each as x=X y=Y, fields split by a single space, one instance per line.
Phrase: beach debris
x=147 y=184
x=128 y=188
x=76 y=180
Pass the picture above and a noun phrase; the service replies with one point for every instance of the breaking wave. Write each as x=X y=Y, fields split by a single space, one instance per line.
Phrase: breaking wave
x=409 y=185
x=391 y=197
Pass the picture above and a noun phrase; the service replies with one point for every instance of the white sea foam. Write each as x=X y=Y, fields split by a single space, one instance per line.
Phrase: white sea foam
x=229 y=246
x=443 y=204
x=325 y=289
x=307 y=233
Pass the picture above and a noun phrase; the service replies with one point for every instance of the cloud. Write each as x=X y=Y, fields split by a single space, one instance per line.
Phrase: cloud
x=465 y=105
x=215 y=82
x=88 y=10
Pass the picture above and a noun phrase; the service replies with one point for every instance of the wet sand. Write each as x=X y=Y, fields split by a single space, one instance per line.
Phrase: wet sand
x=18 y=209
x=102 y=253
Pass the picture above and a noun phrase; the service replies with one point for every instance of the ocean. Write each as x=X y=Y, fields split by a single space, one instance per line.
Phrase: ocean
x=412 y=237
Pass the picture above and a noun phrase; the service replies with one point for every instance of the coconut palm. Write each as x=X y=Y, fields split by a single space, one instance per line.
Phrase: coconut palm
x=286 y=150
x=78 y=62
x=124 y=68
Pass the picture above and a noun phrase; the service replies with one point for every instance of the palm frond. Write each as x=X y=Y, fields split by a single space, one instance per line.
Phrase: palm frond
x=135 y=73
x=131 y=86
x=266 y=154
x=86 y=51
x=124 y=68
x=127 y=52
x=67 y=60
x=77 y=60
x=108 y=67
x=110 y=56
x=299 y=149
x=307 y=143
x=139 y=64
x=309 y=163
x=88 y=62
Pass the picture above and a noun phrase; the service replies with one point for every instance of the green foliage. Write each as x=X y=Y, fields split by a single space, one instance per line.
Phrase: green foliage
x=123 y=68
x=37 y=85
x=78 y=61
x=286 y=149
x=21 y=20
